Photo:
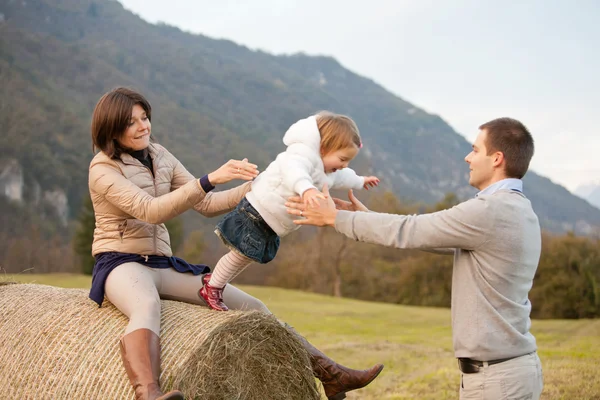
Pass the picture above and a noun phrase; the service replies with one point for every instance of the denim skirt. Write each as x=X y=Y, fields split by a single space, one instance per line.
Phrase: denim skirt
x=245 y=231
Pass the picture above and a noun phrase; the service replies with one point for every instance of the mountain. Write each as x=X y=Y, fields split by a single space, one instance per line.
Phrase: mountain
x=590 y=192
x=212 y=100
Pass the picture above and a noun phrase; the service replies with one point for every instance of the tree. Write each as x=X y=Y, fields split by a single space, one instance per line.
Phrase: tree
x=193 y=248
x=567 y=281
x=175 y=228
x=449 y=201
x=84 y=236
x=337 y=270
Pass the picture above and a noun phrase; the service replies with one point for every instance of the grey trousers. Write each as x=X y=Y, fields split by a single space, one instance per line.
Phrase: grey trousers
x=517 y=379
x=136 y=291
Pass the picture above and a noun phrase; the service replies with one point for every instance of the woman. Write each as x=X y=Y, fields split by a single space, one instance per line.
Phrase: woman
x=136 y=186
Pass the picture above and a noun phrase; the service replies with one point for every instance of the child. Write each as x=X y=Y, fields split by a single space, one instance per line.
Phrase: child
x=319 y=149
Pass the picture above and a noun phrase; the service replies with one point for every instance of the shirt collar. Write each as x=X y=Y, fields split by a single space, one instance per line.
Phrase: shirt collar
x=508 y=183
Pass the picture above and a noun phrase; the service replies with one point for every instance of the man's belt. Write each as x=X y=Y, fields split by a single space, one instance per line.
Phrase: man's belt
x=470 y=366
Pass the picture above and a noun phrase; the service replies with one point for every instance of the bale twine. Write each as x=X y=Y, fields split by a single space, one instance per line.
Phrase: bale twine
x=57 y=344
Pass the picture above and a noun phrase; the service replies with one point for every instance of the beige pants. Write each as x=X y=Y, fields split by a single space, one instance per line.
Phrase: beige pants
x=517 y=379
x=136 y=291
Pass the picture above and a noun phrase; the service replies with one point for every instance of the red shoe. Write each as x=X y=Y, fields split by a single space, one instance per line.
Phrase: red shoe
x=213 y=297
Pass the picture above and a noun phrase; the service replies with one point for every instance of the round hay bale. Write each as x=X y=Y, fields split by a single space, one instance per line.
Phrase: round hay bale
x=56 y=343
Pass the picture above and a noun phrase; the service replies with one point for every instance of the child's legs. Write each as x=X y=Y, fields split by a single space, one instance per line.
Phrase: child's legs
x=184 y=287
x=228 y=267
x=132 y=288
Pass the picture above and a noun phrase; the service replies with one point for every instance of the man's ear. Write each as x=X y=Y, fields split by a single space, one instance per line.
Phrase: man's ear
x=498 y=158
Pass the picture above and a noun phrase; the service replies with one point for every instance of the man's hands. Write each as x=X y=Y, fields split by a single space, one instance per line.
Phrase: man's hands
x=353 y=205
x=320 y=209
x=323 y=214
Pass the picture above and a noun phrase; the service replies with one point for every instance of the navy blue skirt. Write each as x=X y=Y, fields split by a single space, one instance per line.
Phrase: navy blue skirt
x=244 y=230
x=106 y=262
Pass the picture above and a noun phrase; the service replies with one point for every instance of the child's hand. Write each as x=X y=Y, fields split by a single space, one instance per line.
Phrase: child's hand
x=370 y=181
x=311 y=197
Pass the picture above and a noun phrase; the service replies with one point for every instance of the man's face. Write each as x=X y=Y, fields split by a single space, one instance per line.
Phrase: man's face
x=480 y=164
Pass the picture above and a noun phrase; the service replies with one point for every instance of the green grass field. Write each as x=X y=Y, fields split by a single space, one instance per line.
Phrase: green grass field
x=414 y=343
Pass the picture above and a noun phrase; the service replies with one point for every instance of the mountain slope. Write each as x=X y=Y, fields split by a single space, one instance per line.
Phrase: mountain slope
x=591 y=193
x=213 y=100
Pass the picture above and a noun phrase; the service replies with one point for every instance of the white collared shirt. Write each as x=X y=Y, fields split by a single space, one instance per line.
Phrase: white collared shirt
x=508 y=183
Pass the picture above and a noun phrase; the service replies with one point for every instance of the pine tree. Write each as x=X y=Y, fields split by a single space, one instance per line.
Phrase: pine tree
x=175 y=228
x=194 y=247
x=84 y=236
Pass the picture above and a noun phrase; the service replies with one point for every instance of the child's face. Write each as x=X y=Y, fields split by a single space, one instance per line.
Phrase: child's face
x=338 y=159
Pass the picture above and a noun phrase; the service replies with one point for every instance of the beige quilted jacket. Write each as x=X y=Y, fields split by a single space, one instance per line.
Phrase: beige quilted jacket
x=131 y=205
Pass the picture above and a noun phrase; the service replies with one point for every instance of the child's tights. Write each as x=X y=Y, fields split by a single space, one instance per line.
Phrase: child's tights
x=228 y=267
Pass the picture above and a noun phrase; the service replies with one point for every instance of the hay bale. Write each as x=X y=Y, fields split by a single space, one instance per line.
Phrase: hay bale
x=56 y=343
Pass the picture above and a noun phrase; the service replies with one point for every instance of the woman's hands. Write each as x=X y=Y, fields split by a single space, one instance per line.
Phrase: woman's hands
x=233 y=169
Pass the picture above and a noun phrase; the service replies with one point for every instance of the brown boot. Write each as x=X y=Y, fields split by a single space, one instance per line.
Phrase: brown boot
x=336 y=379
x=212 y=296
x=140 y=351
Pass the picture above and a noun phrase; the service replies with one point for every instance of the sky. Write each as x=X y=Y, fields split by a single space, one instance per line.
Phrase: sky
x=468 y=61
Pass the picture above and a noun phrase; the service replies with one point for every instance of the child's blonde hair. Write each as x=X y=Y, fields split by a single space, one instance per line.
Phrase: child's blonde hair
x=337 y=132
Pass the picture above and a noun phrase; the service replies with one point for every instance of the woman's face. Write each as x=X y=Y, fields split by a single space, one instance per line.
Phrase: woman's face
x=137 y=134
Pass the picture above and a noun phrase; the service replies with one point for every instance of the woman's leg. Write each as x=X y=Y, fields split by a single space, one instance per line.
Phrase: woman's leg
x=131 y=287
x=336 y=379
x=228 y=267
x=185 y=287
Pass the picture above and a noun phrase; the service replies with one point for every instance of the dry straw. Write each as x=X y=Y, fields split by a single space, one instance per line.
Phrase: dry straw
x=57 y=344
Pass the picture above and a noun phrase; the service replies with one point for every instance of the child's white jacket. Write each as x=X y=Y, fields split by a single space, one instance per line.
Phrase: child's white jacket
x=294 y=171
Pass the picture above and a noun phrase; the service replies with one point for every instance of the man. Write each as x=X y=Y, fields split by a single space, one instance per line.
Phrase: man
x=496 y=242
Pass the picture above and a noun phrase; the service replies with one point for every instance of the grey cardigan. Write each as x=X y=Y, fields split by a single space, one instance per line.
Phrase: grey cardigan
x=496 y=242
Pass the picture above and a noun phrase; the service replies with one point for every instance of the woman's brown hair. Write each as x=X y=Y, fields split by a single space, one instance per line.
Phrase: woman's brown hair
x=111 y=118
x=337 y=132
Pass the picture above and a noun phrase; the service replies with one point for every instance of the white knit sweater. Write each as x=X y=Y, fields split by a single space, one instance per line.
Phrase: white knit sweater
x=294 y=171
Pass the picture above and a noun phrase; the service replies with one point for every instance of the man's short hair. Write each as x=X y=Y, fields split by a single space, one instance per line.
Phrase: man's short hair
x=512 y=138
